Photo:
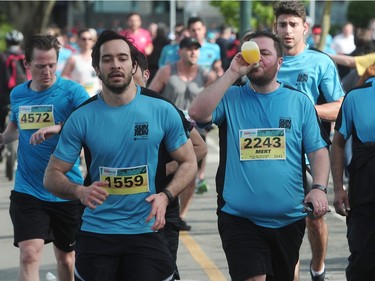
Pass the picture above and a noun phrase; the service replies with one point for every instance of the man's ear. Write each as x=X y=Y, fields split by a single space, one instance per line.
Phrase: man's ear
x=280 y=62
x=146 y=75
x=26 y=64
x=134 y=67
x=306 y=28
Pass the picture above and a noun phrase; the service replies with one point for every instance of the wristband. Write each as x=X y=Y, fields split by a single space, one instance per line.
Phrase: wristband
x=169 y=195
x=320 y=187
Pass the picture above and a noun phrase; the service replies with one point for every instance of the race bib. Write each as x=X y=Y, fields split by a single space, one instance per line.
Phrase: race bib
x=125 y=181
x=262 y=144
x=35 y=117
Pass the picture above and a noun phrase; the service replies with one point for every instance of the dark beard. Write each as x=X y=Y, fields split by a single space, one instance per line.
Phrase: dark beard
x=117 y=88
x=264 y=79
x=259 y=80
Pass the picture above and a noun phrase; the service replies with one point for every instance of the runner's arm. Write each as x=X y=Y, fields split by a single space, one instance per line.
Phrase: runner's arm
x=58 y=184
x=9 y=135
x=160 y=79
x=330 y=110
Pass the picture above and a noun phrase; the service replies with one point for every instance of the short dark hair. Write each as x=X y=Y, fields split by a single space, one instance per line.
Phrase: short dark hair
x=142 y=61
x=276 y=40
x=193 y=20
x=109 y=35
x=296 y=8
x=44 y=42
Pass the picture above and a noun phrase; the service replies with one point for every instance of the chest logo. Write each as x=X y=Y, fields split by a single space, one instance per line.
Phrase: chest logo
x=140 y=131
x=285 y=123
x=302 y=77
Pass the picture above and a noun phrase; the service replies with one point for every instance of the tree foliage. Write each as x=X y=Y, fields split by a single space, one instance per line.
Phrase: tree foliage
x=29 y=17
x=4 y=28
x=230 y=10
x=261 y=18
x=263 y=15
x=360 y=13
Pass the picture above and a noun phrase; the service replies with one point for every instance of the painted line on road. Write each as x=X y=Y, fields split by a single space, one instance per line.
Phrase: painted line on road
x=212 y=143
x=213 y=151
x=213 y=273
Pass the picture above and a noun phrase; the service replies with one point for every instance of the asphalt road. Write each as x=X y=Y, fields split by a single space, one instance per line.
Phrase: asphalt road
x=200 y=256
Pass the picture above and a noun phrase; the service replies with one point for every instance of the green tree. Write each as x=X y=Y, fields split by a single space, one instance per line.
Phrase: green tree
x=29 y=17
x=230 y=10
x=261 y=18
x=4 y=28
x=360 y=12
x=263 y=15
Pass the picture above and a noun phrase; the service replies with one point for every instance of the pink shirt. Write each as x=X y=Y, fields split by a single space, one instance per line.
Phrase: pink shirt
x=142 y=38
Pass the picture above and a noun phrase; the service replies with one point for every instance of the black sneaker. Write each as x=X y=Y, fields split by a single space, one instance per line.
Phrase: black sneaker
x=320 y=277
x=184 y=226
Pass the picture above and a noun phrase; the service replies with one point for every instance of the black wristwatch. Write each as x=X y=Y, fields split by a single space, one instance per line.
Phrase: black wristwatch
x=320 y=187
x=169 y=195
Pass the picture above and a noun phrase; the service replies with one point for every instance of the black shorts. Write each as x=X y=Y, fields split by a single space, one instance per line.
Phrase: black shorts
x=361 y=241
x=253 y=250
x=171 y=231
x=118 y=257
x=33 y=218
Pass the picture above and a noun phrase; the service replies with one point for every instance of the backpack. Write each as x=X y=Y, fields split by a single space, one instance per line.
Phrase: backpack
x=15 y=72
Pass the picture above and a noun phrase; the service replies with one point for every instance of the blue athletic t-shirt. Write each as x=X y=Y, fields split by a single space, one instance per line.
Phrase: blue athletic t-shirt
x=357 y=113
x=30 y=108
x=276 y=128
x=313 y=73
x=208 y=54
x=168 y=55
x=123 y=137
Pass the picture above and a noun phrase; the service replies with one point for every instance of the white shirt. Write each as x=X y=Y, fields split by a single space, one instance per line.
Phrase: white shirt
x=342 y=44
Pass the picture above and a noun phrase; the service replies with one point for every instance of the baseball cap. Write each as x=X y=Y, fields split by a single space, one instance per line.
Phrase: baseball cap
x=316 y=30
x=188 y=42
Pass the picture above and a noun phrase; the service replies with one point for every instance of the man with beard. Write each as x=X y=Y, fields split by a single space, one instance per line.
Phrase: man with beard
x=315 y=74
x=122 y=130
x=264 y=127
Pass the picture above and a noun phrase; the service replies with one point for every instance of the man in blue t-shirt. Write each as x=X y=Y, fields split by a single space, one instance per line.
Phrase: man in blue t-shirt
x=315 y=74
x=265 y=127
x=357 y=202
x=38 y=109
x=209 y=52
x=124 y=131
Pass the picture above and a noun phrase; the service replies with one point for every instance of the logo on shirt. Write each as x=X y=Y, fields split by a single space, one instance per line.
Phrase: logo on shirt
x=140 y=130
x=302 y=77
x=285 y=122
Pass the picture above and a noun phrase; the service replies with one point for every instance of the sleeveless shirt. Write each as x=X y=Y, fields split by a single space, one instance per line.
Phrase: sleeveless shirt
x=181 y=93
